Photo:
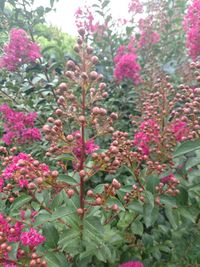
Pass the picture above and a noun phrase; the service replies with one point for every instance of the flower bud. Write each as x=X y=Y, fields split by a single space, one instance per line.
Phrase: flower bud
x=93 y=75
x=116 y=184
x=81 y=31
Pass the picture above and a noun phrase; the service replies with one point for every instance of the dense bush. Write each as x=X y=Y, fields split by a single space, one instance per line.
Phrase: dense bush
x=100 y=145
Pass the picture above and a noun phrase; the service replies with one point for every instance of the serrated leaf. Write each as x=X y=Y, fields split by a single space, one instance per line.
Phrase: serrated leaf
x=136 y=206
x=137 y=228
x=191 y=162
x=186 y=147
x=20 y=202
x=67 y=179
x=51 y=235
x=171 y=217
x=61 y=212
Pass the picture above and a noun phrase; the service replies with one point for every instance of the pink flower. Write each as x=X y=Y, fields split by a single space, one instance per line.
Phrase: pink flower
x=19 y=127
x=15 y=235
x=90 y=146
x=167 y=179
x=127 y=67
x=191 y=25
x=84 y=18
x=32 y=238
x=19 y=50
x=148 y=36
x=180 y=130
x=135 y=7
x=141 y=140
x=19 y=166
x=10 y=265
x=148 y=133
x=132 y=264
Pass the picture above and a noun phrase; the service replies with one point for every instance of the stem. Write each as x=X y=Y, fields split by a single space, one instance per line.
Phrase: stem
x=82 y=151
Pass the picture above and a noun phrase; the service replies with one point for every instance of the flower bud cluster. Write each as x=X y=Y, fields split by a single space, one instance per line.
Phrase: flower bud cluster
x=168 y=185
x=169 y=115
x=23 y=172
x=101 y=199
x=135 y=194
x=102 y=123
x=119 y=153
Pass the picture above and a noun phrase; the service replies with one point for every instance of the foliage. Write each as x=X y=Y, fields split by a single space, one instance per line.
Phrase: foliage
x=96 y=172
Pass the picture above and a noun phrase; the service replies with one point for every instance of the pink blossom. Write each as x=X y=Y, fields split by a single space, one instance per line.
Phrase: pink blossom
x=19 y=127
x=19 y=50
x=84 y=18
x=32 y=238
x=180 y=130
x=127 y=67
x=15 y=235
x=141 y=141
x=148 y=133
x=90 y=146
x=10 y=265
x=132 y=264
x=148 y=36
x=191 y=25
x=168 y=179
x=135 y=6
x=17 y=173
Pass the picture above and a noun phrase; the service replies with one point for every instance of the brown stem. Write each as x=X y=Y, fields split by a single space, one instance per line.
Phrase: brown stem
x=82 y=152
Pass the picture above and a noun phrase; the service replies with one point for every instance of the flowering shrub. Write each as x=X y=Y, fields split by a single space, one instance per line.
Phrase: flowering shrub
x=90 y=193
x=19 y=50
x=191 y=25
x=19 y=127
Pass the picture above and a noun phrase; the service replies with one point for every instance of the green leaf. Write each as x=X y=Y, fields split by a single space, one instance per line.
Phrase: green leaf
x=171 y=217
x=70 y=241
x=65 y=157
x=136 y=206
x=152 y=181
x=191 y=162
x=60 y=213
x=51 y=234
x=182 y=197
x=137 y=228
x=67 y=179
x=21 y=201
x=56 y=260
x=186 y=147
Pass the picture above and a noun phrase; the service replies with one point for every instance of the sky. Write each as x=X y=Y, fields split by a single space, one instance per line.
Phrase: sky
x=65 y=9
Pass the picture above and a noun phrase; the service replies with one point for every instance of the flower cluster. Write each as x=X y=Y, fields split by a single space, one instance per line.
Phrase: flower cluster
x=90 y=146
x=13 y=231
x=191 y=25
x=149 y=131
x=132 y=264
x=84 y=18
x=32 y=238
x=180 y=130
x=126 y=65
x=24 y=172
x=18 y=126
x=135 y=7
x=19 y=50
x=147 y=35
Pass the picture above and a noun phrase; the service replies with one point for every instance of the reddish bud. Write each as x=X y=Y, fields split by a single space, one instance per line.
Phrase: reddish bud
x=80 y=211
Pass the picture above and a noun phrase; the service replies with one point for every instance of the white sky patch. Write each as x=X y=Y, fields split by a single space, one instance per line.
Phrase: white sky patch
x=65 y=9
